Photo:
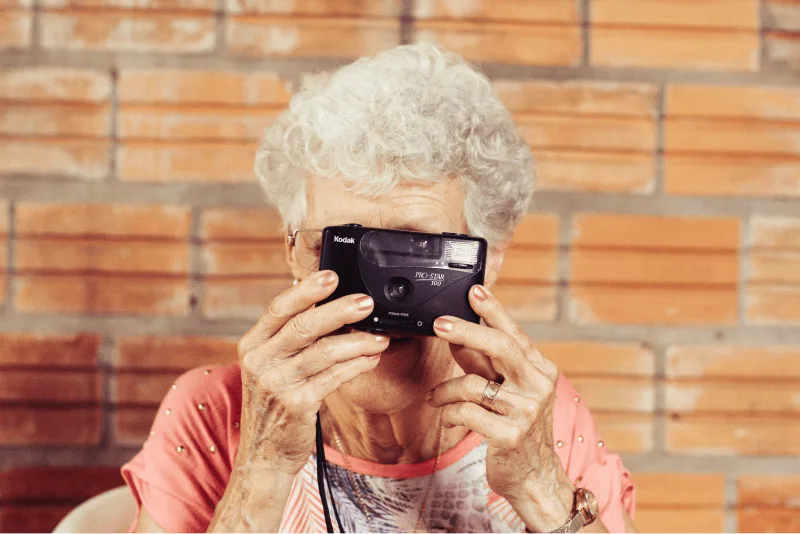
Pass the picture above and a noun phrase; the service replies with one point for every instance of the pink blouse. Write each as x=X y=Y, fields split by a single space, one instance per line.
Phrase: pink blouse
x=182 y=470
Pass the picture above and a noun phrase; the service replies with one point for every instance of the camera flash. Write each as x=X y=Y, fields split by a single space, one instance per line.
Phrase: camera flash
x=465 y=252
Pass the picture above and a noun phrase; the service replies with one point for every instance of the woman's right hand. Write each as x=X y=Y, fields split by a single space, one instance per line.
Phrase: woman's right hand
x=290 y=363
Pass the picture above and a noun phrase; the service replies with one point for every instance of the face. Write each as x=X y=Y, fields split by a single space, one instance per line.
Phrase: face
x=410 y=366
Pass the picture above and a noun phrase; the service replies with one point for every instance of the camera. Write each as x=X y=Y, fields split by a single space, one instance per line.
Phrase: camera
x=413 y=277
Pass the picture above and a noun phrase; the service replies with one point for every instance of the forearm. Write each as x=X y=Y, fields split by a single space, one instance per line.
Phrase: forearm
x=254 y=501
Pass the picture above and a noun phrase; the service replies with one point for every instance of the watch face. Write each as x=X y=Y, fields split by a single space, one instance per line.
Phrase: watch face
x=589 y=503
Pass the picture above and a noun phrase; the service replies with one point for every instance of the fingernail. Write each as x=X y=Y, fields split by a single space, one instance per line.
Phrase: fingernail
x=381 y=339
x=377 y=356
x=326 y=279
x=480 y=293
x=428 y=395
x=445 y=325
x=364 y=303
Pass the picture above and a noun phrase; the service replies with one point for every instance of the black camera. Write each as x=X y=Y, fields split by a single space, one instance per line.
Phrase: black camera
x=413 y=277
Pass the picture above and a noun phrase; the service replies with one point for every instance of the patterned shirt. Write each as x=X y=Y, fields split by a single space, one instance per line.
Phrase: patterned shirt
x=182 y=471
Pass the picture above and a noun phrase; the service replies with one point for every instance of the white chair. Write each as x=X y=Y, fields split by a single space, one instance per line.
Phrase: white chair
x=112 y=511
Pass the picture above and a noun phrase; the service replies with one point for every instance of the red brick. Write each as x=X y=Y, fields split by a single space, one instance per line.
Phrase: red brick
x=626 y=433
x=774 y=267
x=52 y=387
x=594 y=171
x=613 y=99
x=143 y=123
x=49 y=426
x=587 y=133
x=55 y=120
x=687 y=136
x=128 y=220
x=554 y=11
x=674 y=49
x=651 y=306
x=310 y=37
x=132 y=425
x=92 y=294
x=51 y=255
x=738 y=398
x=772 y=491
x=57 y=483
x=616 y=394
x=525 y=44
x=174 y=353
x=204 y=88
x=782 y=15
x=731 y=177
x=718 y=101
x=71 y=350
x=527 y=303
x=16 y=27
x=128 y=31
x=266 y=259
x=84 y=159
x=220 y=224
x=364 y=8
x=588 y=358
x=654 y=232
x=772 y=520
x=193 y=162
x=141 y=389
x=52 y=84
x=678 y=490
x=723 y=14
x=679 y=502
x=733 y=435
x=537 y=230
x=199 y=5
x=32 y=518
x=246 y=298
x=649 y=267
x=774 y=232
x=767 y=304
x=521 y=265
x=731 y=362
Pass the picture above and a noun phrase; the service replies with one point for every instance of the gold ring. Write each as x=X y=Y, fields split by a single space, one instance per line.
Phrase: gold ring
x=490 y=393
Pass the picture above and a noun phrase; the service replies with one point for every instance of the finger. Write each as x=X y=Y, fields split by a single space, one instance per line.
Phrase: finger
x=286 y=305
x=496 y=316
x=305 y=328
x=474 y=362
x=470 y=388
x=499 y=431
x=506 y=355
x=332 y=378
x=330 y=350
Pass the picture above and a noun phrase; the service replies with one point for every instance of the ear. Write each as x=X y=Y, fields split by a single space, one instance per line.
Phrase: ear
x=494 y=263
x=291 y=260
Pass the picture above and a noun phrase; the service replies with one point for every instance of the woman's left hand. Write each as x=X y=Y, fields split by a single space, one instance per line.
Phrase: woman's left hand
x=521 y=461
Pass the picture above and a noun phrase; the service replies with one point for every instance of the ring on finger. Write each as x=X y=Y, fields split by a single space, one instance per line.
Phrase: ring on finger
x=490 y=393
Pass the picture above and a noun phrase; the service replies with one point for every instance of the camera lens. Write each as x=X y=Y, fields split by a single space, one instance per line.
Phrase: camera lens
x=397 y=289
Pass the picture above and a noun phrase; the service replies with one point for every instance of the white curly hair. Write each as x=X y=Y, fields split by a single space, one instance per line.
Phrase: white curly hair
x=412 y=113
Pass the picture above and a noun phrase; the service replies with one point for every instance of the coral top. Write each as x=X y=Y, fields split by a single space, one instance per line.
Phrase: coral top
x=182 y=470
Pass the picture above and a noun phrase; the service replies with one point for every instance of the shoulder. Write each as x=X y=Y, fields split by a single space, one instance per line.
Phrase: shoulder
x=181 y=471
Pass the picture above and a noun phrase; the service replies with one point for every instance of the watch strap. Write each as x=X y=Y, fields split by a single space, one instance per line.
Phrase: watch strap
x=573 y=524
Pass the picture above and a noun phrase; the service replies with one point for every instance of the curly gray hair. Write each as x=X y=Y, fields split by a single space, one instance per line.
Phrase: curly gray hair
x=412 y=113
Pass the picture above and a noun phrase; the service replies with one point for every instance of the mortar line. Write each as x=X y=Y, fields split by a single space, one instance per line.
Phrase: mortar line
x=36 y=27
x=585 y=10
x=564 y=267
x=220 y=28
x=658 y=152
x=743 y=259
x=196 y=267
x=730 y=523
x=113 y=160
x=407 y=23
x=660 y=400
x=104 y=364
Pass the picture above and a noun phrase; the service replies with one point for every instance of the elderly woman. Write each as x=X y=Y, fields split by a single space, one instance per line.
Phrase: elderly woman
x=410 y=139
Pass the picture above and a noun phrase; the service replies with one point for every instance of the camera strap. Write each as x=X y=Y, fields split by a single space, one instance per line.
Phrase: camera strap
x=322 y=478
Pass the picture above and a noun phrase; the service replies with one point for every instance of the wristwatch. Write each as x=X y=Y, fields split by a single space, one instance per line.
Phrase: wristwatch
x=584 y=511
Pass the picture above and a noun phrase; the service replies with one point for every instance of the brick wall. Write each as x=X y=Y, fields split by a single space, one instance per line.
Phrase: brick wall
x=660 y=268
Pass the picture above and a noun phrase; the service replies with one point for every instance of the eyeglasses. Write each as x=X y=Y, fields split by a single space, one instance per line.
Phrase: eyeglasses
x=306 y=243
